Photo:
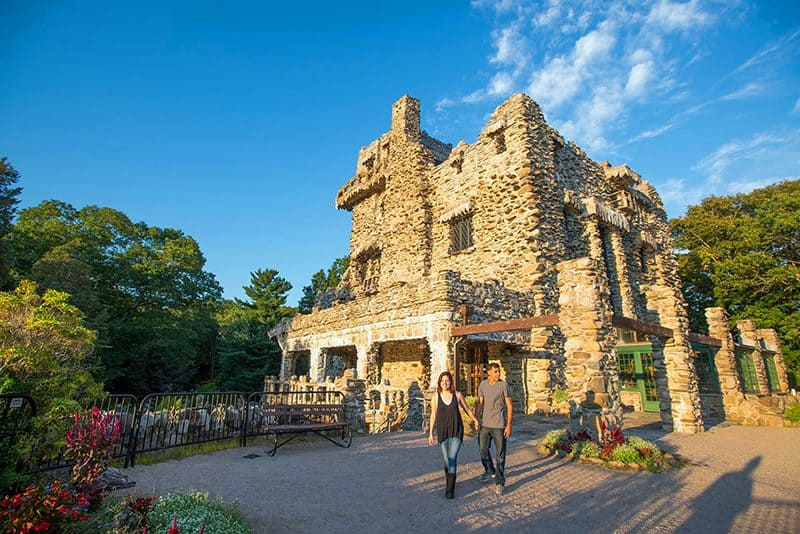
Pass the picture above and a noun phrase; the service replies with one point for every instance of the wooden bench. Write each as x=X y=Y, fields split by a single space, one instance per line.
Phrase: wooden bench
x=309 y=412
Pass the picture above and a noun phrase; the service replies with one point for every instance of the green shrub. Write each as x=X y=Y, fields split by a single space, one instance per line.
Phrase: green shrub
x=646 y=448
x=195 y=510
x=560 y=395
x=793 y=413
x=626 y=454
x=586 y=449
x=553 y=437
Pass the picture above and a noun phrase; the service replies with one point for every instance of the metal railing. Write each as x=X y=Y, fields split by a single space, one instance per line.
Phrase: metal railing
x=167 y=420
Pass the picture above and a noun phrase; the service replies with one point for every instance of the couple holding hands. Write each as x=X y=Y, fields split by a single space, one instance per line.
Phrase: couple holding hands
x=492 y=420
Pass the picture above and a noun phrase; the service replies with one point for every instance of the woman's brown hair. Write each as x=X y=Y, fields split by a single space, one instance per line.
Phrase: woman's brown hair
x=439 y=382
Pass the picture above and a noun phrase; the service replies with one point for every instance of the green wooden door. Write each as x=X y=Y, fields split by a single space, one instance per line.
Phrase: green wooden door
x=637 y=373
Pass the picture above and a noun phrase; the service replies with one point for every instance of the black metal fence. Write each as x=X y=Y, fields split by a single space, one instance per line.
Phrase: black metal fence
x=164 y=420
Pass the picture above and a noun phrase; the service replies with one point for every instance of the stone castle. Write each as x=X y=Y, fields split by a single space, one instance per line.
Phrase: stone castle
x=522 y=250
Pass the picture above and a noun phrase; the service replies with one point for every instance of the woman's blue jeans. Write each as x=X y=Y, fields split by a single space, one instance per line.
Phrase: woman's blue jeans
x=450 y=448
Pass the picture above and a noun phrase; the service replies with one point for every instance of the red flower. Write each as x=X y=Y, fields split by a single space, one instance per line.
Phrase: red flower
x=174 y=528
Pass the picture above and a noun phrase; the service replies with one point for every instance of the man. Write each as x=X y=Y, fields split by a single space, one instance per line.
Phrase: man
x=495 y=412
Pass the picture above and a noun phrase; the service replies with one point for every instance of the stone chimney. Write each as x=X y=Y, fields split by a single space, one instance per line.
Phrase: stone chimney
x=405 y=117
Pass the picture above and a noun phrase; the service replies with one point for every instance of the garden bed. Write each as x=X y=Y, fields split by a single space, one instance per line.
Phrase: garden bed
x=612 y=451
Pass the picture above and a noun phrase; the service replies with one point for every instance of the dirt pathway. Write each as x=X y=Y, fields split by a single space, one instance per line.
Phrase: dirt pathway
x=745 y=480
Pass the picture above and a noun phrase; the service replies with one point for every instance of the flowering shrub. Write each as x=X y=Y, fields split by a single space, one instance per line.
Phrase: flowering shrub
x=587 y=449
x=610 y=438
x=193 y=512
x=90 y=443
x=616 y=447
x=647 y=449
x=43 y=508
x=626 y=454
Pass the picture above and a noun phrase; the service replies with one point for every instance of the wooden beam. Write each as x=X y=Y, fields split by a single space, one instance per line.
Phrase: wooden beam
x=704 y=340
x=505 y=326
x=642 y=327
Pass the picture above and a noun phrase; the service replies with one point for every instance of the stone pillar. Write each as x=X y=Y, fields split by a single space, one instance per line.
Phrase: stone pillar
x=592 y=233
x=287 y=366
x=750 y=337
x=316 y=364
x=684 y=393
x=725 y=359
x=361 y=361
x=623 y=273
x=770 y=338
x=372 y=370
x=591 y=374
x=440 y=358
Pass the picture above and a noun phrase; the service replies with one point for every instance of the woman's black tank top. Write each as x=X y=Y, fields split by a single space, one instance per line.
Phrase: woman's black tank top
x=448 y=420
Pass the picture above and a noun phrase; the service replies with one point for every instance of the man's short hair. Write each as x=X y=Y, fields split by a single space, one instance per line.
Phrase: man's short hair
x=494 y=365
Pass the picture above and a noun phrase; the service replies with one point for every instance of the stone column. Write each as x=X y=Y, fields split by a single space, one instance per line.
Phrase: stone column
x=592 y=233
x=361 y=361
x=372 y=367
x=440 y=357
x=725 y=360
x=750 y=337
x=316 y=363
x=287 y=364
x=684 y=394
x=623 y=273
x=592 y=378
x=770 y=338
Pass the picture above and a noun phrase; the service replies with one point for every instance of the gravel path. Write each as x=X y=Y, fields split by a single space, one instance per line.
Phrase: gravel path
x=745 y=480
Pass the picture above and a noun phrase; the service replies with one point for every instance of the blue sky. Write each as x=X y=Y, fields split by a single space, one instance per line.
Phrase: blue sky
x=237 y=122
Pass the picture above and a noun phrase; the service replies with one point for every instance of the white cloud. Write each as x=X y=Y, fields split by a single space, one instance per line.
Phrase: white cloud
x=677 y=15
x=638 y=77
x=769 y=49
x=511 y=47
x=751 y=89
x=502 y=84
x=546 y=17
x=758 y=147
x=796 y=108
x=561 y=78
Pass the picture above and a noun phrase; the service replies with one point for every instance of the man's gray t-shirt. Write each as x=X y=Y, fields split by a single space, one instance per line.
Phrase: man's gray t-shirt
x=494 y=403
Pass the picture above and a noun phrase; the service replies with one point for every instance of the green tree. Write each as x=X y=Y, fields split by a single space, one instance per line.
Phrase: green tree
x=9 y=199
x=245 y=352
x=143 y=289
x=44 y=353
x=742 y=252
x=322 y=281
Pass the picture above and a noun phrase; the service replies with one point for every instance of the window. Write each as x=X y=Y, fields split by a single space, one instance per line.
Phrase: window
x=369 y=270
x=706 y=370
x=747 y=371
x=772 y=373
x=627 y=371
x=461 y=233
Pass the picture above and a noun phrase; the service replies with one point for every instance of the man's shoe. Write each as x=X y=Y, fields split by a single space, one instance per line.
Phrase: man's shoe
x=499 y=490
x=486 y=477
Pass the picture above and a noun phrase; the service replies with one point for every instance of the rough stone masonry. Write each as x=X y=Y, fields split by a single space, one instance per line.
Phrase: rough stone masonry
x=520 y=249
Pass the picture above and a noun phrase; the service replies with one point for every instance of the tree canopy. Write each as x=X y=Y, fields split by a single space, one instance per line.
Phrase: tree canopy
x=245 y=353
x=9 y=199
x=322 y=281
x=742 y=252
x=143 y=289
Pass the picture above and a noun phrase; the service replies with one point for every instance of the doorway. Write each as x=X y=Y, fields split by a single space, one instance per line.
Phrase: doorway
x=472 y=369
x=637 y=373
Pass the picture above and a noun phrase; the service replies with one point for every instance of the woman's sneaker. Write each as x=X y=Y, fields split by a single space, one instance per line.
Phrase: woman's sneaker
x=486 y=477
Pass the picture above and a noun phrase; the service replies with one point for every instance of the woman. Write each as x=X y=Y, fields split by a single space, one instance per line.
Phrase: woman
x=446 y=418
